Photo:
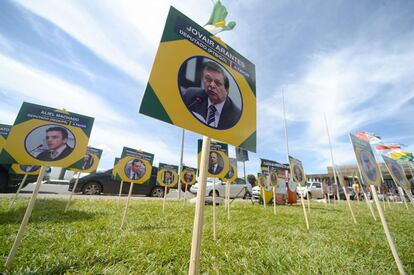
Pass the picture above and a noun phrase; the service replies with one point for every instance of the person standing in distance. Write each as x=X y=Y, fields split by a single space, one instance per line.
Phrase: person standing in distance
x=211 y=104
x=56 y=139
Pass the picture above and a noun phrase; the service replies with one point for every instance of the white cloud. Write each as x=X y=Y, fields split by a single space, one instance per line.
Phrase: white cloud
x=33 y=85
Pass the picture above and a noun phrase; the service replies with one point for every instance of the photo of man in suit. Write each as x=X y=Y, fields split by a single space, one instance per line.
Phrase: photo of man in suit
x=298 y=173
x=135 y=169
x=215 y=163
x=56 y=140
x=87 y=162
x=168 y=177
x=368 y=166
x=188 y=177
x=211 y=104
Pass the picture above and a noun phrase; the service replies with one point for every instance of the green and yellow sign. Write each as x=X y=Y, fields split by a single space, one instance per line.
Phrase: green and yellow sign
x=25 y=169
x=90 y=161
x=199 y=83
x=397 y=173
x=218 y=160
x=4 y=132
x=135 y=166
x=115 y=175
x=232 y=174
x=47 y=136
x=296 y=170
x=167 y=175
x=264 y=183
x=366 y=161
x=188 y=175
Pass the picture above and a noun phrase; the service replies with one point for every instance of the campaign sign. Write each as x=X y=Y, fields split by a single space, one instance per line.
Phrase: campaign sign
x=47 y=136
x=167 y=175
x=135 y=166
x=241 y=154
x=188 y=175
x=25 y=169
x=263 y=183
x=366 y=161
x=397 y=172
x=232 y=174
x=199 y=83
x=218 y=160
x=115 y=175
x=296 y=170
x=273 y=169
x=4 y=132
x=90 y=161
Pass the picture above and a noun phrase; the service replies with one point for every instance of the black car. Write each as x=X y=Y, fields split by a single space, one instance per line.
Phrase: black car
x=103 y=182
x=9 y=182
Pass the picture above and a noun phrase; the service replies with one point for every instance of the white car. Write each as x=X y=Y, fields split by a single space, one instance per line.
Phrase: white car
x=256 y=192
x=238 y=189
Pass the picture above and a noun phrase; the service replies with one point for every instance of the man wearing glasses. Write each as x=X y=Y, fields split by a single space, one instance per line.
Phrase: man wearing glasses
x=211 y=103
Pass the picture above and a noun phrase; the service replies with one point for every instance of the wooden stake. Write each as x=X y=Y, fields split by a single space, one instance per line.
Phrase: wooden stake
x=225 y=196
x=26 y=218
x=387 y=232
x=308 y=203
x=304 y=211
x=199 y=210
x=228 y=200
x=165 y=198
x=214 y=209
x=127 y=203
x=185 y=193
x=18 y=192
x=73 y=191
x=120 y=191
x=264 y=200
x=274 y=200
x=366 y=196
x=349 y=204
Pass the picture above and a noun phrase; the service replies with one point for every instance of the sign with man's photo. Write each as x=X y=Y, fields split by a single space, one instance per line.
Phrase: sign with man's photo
x=296 y=170
x=199 y=83
x=397 y=172
x=188 y=175
x=25 y=169
x=90 y=161
x=4 y=132
x=135 y=166
x=115 y=175
x=232 y=174
x=167 y=175
x=47 y=136
x=218 y=160
x=366 y=161
x=242 y=154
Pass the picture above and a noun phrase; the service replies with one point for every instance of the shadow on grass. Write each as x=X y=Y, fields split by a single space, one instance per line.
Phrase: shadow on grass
x=46 y=211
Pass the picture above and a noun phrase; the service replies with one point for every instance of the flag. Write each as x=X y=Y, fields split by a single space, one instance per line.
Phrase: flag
x=370 y=137
x=402 y=156
x=382 y=148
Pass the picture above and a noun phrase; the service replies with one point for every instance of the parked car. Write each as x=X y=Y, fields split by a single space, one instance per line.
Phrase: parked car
x=256 y=192
x=238 y=189
x=103 y=182
x=9 y=182
x=312 y=190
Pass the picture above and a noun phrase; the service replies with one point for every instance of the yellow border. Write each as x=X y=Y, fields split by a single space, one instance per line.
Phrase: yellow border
x=16 y=168
x=367 y=180
x=192 y=173
x=292 y=171
x=121 y=170
x=270 y=179
x=160 y=177
x=92 y=168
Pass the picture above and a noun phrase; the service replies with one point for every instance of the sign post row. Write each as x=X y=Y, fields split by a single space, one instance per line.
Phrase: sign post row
x=26 y=218
x=214 y=209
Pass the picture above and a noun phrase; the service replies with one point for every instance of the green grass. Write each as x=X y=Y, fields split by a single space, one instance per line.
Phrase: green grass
x=88 y=240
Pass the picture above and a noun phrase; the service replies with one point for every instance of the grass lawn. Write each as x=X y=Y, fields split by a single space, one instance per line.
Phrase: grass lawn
x=88 y=240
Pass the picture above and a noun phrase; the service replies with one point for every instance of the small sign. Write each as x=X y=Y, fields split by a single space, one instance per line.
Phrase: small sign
x=296 y=170
x=135 y=166
x=218 y=161
x=167 y=175
x=232 y=174
x=188 y=175
x=90 y=161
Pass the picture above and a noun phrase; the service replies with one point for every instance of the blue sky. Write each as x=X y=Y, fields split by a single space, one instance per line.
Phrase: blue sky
x=352 y=60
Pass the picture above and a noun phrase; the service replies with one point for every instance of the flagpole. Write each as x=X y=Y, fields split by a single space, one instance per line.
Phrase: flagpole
x=332 y=158
x=287 y=157
x=181 y=165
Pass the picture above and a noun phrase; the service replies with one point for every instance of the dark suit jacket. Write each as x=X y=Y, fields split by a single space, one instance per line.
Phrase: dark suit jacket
x=45 y=156
x=230 y=113
x=218 y=170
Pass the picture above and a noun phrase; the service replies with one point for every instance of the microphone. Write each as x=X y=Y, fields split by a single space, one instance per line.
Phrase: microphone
x=197 y=100
x=41 y=145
